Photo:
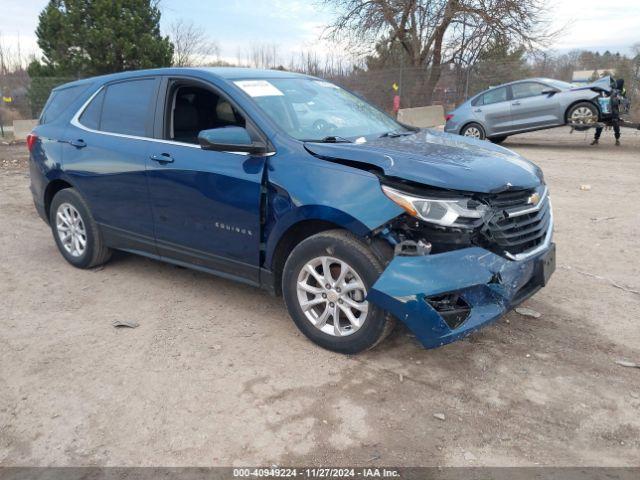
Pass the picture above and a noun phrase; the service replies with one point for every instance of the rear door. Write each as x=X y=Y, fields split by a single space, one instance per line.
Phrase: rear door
x=105 y=156
x=206 y=204
x=530 y=108
x=492 y=109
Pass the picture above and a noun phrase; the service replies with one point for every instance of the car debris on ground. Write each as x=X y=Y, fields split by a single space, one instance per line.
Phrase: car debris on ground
x=528 y=312
x=626 y=363
x=125 y=323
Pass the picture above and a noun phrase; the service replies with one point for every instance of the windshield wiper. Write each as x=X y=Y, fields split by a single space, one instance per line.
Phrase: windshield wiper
x=330 y=139
x=396 y=133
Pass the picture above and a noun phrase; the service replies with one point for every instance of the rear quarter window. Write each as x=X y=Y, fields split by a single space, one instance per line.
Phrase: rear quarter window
x=58 y=102
x=90 y=118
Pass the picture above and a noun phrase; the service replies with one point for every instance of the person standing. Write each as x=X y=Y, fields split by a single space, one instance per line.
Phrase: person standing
x=616 y=98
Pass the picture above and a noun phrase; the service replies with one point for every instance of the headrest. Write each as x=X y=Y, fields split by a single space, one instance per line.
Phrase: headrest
x=224 y=111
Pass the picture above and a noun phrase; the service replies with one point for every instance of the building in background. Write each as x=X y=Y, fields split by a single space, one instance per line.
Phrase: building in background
x=582 y=77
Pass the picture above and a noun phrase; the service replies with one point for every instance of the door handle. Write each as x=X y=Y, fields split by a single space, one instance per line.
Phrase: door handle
x=79 y=143
x=515 y=103
x=162 y=158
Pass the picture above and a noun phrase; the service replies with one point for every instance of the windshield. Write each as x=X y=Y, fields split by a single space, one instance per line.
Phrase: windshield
x=310 y=109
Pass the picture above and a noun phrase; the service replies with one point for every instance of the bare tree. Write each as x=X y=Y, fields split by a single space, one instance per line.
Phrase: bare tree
x=263 y=55
x=433 y=33
x=11 y=58
x=191 y=45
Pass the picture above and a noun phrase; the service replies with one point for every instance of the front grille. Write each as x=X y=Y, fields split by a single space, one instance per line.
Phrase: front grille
x=510 y=199
x=516 y=225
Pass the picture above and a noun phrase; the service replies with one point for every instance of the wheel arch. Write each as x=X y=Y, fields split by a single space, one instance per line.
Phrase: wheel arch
x=300 y=225
x=50 y=191
x=573 y=104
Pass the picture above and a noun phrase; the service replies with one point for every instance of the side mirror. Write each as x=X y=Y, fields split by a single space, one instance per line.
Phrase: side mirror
x=550 y=91
x=230 y=139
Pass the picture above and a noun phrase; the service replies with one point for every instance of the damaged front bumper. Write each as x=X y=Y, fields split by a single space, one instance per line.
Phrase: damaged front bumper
x=446 y=296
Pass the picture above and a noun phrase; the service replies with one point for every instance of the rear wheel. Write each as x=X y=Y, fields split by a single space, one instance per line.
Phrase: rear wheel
x=473 y=130
x=325 y=283
x=75 y=231
x=497 y=139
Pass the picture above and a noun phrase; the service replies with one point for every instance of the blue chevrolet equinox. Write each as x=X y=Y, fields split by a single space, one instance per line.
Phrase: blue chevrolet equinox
x=293 y=184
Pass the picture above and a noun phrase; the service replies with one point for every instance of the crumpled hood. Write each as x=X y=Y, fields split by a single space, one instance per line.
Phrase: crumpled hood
x=439 y=160
x=603 y=83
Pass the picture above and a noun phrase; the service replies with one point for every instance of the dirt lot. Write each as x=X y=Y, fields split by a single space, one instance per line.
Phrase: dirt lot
x=217 y=374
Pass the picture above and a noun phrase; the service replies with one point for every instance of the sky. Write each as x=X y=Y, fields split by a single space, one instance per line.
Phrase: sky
x=295 y=25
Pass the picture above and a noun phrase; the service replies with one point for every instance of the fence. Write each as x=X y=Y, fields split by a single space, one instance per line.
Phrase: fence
x=456 y=84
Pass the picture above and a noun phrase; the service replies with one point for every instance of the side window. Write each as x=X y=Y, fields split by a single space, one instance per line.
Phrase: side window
x=494 y=96
x=192 y=109
x=126 y=107
x=90 y=118
x=527 y=89
x=58 y=102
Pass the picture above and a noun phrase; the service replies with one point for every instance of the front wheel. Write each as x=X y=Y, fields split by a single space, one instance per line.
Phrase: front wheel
x=325 y=283
x=583 y=114
x=473 y=130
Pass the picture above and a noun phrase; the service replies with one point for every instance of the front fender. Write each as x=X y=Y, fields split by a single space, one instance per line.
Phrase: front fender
x=302 y=187
x=320 y=213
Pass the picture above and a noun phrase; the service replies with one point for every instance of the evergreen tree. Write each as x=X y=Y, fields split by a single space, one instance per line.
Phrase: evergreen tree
x=81 y=38
x=498 y=63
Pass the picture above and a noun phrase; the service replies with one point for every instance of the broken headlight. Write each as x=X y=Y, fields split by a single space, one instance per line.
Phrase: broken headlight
x=448 y=212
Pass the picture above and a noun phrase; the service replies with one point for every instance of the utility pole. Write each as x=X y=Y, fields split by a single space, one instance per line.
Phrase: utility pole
x=466 y=83
x=398 y=94
x=401 y=72
x=1 y=125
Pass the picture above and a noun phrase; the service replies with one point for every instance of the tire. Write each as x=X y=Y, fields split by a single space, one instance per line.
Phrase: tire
x=470 y=130
x=497 y=140
x=70 y=205
x=583 y=113
x=343 y=252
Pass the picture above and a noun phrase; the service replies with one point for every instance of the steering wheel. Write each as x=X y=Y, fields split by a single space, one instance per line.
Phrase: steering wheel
x=323 y=126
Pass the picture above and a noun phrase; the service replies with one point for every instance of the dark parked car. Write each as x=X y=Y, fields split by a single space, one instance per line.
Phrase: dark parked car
x=356 y=223
x=528 y=105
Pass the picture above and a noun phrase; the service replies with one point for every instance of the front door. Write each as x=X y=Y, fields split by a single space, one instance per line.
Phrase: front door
x=530 y=108
x=206 y=204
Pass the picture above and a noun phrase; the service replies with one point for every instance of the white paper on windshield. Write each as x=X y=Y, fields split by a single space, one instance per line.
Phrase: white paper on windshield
x=324 y=84
x=259 y=88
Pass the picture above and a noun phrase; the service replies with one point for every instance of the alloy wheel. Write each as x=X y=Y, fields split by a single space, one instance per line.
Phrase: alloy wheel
x=71 y=230
x=583 y=115
x=332 y=296
x=473 y=132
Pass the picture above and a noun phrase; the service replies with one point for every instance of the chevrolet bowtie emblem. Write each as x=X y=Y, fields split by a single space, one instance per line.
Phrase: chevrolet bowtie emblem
x=534 y=199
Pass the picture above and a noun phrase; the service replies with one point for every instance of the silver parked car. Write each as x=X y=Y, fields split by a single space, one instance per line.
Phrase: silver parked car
x=527 y=105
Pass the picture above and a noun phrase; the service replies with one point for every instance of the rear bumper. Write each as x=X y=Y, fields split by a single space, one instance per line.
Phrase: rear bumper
x=488 y=284
x=38 y=204
x=452 y=127
x=36 y=187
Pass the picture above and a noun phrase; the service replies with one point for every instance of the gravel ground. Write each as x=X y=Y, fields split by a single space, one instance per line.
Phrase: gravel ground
x=217 y=374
